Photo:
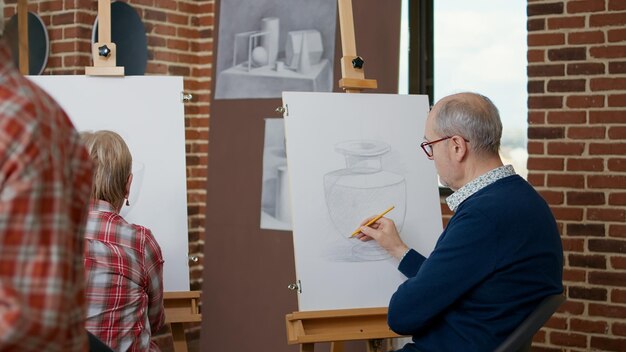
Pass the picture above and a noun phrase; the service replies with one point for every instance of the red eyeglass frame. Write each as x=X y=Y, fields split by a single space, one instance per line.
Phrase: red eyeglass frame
x=427 y=143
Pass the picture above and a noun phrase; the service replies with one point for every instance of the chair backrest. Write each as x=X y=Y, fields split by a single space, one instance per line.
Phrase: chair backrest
x=95 y=345
x=522 y=336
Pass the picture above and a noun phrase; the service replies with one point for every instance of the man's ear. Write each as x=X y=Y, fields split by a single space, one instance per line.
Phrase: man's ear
x=459 y=148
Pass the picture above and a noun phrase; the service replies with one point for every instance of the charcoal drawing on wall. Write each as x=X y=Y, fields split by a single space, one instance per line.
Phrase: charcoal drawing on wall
x=270 y=46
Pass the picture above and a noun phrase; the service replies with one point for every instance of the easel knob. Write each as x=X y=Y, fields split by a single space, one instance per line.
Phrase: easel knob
x=352 y=74
x=104 y=51
x=358 y=62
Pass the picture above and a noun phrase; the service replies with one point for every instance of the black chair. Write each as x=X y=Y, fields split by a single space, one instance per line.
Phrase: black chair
x=95 y=345
x=522 y=337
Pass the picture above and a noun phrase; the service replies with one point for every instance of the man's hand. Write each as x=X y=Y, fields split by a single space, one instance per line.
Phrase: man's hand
x=385 y=233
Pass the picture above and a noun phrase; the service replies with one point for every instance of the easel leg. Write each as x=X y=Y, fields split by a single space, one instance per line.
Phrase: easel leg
x=178 y=334
x=336 y=346
x=307 y=347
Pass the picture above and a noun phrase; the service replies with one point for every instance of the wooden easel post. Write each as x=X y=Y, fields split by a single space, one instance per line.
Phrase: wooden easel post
x=180 y=308
x=336 y=326
x=104 y=52
x=22 y=35
x=352 y=72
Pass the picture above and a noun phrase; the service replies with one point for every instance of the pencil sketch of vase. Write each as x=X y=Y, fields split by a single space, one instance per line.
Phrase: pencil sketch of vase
x=361 y=189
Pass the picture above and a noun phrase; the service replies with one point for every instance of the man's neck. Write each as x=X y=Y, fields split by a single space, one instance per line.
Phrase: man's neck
x=477 y=168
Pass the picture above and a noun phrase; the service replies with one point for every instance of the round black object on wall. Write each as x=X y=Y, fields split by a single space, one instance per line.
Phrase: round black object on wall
x=38 y=43
x=129 y=36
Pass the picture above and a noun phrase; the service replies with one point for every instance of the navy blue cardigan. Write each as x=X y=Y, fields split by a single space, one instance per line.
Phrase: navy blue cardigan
x=499 y=255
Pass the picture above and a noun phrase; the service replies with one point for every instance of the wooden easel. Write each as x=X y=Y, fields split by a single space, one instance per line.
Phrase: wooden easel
x=180 y=307
x=104 y=52
x=336 y=326
x=352 y=73
x=22 y=34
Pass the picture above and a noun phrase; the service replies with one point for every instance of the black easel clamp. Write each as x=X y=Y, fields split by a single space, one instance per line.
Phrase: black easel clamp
x=358 y=62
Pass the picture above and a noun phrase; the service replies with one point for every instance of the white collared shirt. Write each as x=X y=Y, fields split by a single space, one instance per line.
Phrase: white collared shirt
x=477 y=184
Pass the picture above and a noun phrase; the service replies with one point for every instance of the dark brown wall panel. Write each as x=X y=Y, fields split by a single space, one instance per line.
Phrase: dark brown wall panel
x=247 y=269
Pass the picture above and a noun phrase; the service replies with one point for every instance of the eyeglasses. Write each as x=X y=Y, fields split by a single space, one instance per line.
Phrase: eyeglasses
x=427 y=146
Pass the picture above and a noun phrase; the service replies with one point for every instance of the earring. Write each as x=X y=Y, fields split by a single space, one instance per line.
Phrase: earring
x=127 y=202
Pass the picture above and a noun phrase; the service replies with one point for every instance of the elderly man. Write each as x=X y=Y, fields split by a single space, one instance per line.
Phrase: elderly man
x=500 y=253
x=45 y=183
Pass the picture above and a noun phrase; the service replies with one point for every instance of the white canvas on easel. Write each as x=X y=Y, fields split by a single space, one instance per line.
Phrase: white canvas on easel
x=351 y=156
x=147 y=111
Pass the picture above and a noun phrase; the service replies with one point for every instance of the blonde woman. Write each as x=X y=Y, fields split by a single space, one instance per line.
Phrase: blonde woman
x=123 y=262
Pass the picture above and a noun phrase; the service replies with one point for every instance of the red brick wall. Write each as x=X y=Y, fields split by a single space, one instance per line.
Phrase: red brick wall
x=180 y=42
x=577 y=148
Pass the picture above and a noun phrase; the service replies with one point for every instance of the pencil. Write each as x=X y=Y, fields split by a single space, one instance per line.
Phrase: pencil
x=373 y=220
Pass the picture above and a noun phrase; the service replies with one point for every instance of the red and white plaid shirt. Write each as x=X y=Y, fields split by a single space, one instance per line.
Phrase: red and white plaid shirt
x=124 y=269
x=45 y=184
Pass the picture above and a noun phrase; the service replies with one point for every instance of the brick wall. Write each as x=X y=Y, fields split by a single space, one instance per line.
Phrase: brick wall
x=180 y=42
x=577 y=160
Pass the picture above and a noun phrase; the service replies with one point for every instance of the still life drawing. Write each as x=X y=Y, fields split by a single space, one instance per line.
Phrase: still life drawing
x=358 y=190
x=350 y=157
x=273 y=46
x=275 y=203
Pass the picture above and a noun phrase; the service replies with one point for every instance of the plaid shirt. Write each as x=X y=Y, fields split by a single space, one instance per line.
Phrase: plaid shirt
x=45 y=184
x=124 y=269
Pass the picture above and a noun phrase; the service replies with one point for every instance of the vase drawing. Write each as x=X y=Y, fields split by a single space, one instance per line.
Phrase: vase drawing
x=361 y=189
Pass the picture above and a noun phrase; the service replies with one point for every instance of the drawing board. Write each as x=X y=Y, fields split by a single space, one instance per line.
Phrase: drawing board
x=147 y=111
x=351 y=156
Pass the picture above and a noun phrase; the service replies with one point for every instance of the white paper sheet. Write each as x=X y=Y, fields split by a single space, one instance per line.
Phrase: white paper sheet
x=148 y=113
x=351 y=156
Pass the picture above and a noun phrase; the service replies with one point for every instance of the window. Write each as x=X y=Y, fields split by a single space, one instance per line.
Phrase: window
x=478 y=46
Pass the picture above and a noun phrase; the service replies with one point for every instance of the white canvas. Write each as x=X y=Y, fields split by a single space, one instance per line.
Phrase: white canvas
x=148 y=113
x=379 y=137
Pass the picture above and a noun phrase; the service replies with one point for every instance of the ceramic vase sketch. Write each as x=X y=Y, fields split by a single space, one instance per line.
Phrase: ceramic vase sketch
x=270 y=25
x=362 y=189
